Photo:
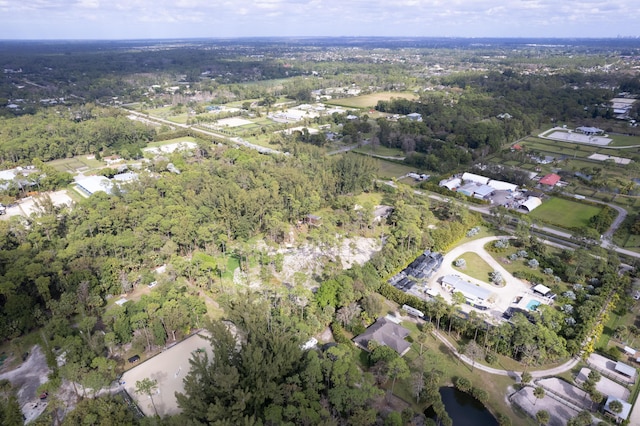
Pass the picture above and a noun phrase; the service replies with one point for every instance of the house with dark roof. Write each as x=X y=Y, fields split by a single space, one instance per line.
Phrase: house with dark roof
x=385 y=332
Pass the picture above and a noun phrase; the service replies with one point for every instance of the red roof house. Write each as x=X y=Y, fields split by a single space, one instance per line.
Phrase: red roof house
x=516 y=147
x=550 y=179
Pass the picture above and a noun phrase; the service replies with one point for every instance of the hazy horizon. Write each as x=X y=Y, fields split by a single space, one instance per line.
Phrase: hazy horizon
x=187 y=19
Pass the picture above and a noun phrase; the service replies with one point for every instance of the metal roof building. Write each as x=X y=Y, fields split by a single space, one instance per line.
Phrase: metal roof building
x=625 y=369
x=470 y=291
x=502 y=186
x=531 y=203
x=92 y=184
x=470 y=177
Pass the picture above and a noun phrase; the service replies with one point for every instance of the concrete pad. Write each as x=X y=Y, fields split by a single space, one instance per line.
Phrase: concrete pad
x=169 y=369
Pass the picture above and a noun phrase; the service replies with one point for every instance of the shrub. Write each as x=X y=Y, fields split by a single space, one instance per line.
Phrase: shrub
x=533 y=264
x=463 y=384
x=491 y=358
x=460 y=263
x=480 y=394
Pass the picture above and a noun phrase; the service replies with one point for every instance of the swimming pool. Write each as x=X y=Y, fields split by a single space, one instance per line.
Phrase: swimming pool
x=532 y=305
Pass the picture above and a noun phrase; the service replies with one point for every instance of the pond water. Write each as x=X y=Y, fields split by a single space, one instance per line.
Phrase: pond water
x=463 y=409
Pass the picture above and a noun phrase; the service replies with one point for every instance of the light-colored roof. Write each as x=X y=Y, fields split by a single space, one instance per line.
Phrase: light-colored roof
x=625 y=369
x=629 y=350
x=502 y=186
x=626 y=407
x=469 y=290
x=93 y=184
x=483 y=190
x=7 y=174
x=531 y=203
x=451 y=183
x=586 y=129
x=542 y=289
x=475 y=178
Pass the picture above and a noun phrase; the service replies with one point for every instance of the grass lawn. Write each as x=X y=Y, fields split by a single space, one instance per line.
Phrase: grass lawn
x=380 y=150
x=389 y=169
x=370 y=100
x=436 y=356
x=76 y=163
x=233 y=262
x=565 y=213
x=476 y=267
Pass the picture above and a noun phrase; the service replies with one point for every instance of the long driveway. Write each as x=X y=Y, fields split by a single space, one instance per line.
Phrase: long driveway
x=535 y=374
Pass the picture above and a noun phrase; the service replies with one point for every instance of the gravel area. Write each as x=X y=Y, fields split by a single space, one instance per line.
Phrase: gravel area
x=559 y=413
x=568 y=392
x=26 y=379
x=607 y=366
x=605 y=385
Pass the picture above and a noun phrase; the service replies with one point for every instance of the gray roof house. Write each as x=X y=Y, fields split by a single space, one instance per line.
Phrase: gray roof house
x=387 y=333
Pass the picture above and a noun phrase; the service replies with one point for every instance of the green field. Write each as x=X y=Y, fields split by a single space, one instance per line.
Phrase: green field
x=389 y=169
x=370 y=100
x=380 y=150
x=564 y=213
x=75 y=164
x=475 y=267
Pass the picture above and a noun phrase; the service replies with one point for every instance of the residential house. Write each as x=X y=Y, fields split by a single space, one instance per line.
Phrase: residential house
x=387 y=333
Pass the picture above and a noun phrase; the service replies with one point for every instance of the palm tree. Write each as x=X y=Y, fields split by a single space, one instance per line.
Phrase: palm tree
x=539 y=393
x=543 y=417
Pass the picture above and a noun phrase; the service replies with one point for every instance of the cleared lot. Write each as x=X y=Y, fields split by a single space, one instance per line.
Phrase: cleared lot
x=168 y=368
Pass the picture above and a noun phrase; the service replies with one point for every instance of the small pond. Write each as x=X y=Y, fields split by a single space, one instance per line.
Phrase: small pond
x=463 y=409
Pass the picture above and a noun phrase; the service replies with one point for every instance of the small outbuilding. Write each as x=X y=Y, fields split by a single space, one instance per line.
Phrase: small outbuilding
x=622 y=415
x=625 y=369
x=451 y=184
x=531 y=203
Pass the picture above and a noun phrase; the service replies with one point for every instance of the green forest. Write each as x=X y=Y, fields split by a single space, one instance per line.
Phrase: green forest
x=197 y=240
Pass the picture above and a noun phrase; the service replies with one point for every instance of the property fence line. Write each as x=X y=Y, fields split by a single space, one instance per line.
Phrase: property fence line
x=562 y=400
x=570 y=402
x=608 y=375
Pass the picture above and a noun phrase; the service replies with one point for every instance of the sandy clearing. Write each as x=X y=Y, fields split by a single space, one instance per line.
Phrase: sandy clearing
x=26 y=379
x=169 y=369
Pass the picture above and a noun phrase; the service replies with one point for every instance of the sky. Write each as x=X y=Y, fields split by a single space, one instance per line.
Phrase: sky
x=153 y=19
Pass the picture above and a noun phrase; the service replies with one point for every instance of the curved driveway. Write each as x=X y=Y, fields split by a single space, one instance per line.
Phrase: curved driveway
x=502 y=297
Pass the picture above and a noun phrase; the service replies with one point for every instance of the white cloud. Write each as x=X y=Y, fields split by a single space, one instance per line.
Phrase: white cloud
x=46 y=18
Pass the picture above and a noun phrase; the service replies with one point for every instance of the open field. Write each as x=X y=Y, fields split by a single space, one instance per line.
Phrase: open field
x=371 y=100
x=76 y=164
x=380 y=150
x=565 y=213
x=389 y=169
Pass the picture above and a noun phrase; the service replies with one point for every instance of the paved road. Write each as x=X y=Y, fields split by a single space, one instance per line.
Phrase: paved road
x=486 y=210
x=236 y=140
x=535 y=374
